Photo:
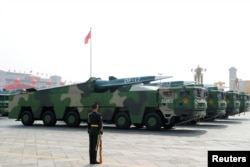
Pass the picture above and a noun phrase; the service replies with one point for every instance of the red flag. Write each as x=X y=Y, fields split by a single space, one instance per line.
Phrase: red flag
x=87 y=37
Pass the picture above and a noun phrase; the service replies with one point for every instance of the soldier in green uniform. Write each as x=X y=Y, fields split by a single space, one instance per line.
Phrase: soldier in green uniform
x=95 y=129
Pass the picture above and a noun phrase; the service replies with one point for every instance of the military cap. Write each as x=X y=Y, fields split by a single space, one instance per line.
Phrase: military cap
x=94 y=105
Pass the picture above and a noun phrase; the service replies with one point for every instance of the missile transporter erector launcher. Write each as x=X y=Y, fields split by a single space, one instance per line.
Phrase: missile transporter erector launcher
x=216 y=103
x=244 y=102
x=184 y=103
x=233 y=103
x=122 y=102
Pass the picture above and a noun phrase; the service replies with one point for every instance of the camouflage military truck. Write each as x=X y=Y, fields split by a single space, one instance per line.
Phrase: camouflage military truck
x=122 y=102
x=233 y=104
x=4 y=100
x=244 y=102
x=216 y=103
x=185 y=102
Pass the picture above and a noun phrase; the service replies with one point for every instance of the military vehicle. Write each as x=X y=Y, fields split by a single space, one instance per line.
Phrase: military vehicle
x=216 y=103
x=186 y=102
x=233 y=103
x=122 y=102
x=244 y=102
x=4 y=100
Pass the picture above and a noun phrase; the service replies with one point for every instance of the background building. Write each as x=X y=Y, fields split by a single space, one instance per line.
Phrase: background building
x=237 y=84
x=13 y=80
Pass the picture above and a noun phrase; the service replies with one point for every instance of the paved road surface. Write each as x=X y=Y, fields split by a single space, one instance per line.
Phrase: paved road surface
x=61 y=146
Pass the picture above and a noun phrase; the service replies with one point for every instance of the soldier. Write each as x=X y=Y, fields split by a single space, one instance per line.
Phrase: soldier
x=95 y=129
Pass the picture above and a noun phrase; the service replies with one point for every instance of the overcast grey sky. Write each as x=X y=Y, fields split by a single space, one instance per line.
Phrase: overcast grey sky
x=129 y=38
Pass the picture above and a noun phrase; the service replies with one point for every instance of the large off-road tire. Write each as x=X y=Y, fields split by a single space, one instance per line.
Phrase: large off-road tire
x=49 y=118
x=72 y=119
x=27 y=118
x=153 y=121
x=122 y=120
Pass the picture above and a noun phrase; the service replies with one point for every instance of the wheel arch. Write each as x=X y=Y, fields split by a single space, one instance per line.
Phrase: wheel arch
x=124 y=121
x=118 y=110
x=152 y=110
x=47 y=108
x=24 y=108
x=70 y=109
x=76 y=117
x=157 y=116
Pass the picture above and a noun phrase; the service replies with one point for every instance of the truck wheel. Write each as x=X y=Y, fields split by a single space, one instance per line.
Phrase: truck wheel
x=27 y=118
x=122 y=120
x=153 y=121
x=72 y=119
x=49 y=118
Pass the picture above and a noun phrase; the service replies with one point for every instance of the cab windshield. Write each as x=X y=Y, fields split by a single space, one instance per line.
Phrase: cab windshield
x=221 y=96
x=199 y=92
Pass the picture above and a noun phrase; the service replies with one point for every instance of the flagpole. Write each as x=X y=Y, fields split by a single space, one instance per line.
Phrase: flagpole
x=90 y=53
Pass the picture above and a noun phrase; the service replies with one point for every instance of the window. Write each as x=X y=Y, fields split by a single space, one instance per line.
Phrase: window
x=168 y=93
